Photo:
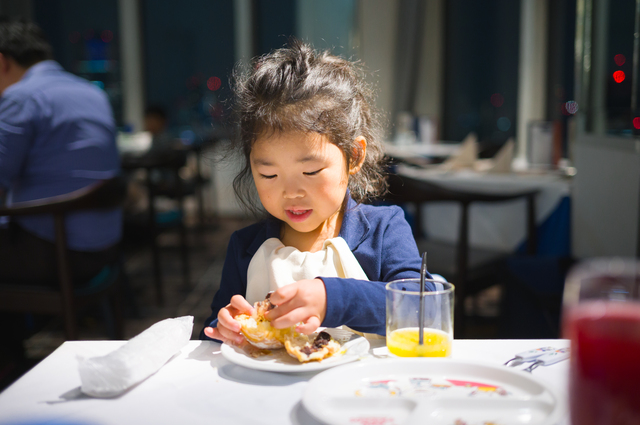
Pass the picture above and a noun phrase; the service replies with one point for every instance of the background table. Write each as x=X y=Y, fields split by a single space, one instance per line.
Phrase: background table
x=501 y=227
x=421 y=153
x=199 y=386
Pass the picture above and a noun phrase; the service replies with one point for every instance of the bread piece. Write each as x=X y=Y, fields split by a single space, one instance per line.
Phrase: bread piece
x=258 y=330
x=314 y=347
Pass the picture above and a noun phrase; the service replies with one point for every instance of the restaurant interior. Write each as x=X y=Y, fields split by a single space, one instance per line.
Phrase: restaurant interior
x=510 y=132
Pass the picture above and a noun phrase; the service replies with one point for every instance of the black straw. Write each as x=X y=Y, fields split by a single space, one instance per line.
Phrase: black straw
x=423 y=273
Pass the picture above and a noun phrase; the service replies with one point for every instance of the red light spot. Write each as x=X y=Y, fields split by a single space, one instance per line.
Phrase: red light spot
x=619 y=59
x=636 y=123
x=497 y=100
x=618 y=76
x=74 y=37
x=213 y=83
x=106 y=36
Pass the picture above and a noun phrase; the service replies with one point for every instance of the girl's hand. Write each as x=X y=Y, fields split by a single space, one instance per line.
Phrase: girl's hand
x=302 y=301
x=228 y=329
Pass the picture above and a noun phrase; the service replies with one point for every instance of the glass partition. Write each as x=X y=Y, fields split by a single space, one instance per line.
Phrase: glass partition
x=607 y=69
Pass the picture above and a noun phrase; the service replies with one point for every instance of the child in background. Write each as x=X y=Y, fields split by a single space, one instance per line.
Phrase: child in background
x=311 y=146
x=155 y=122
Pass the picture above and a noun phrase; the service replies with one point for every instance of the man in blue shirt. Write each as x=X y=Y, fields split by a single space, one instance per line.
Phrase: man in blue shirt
x=57 y=135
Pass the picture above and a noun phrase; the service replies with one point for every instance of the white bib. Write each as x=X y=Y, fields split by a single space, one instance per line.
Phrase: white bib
x=275 y=265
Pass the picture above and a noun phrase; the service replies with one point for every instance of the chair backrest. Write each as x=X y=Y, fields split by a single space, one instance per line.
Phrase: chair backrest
x=104 y=194
x=170 y=158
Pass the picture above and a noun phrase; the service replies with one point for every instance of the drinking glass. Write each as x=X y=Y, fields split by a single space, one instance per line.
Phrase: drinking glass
x=601 y=317
x=403 y=312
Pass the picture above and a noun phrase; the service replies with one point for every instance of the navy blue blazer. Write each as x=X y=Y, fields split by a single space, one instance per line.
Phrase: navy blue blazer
x=380 y=239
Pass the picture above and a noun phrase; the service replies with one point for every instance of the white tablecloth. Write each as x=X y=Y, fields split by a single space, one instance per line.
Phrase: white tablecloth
x=497 y=226
x=199 y=386
x=417 y=150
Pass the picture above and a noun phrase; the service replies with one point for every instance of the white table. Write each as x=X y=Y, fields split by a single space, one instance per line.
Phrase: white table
x=421 y=150
x=199 y=386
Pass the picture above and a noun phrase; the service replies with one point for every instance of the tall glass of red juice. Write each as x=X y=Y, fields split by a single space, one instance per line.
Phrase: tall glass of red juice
x=601 y=317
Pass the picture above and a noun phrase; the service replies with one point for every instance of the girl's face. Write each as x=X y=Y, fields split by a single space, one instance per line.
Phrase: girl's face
x=302 y=180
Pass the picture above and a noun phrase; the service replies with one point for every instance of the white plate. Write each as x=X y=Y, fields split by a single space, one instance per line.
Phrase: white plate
x=353 y=347
x=434 y=391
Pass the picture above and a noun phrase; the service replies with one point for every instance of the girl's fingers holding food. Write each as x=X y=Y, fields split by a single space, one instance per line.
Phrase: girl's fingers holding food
x=310 y=326
x=229 y=335
x=225 y=319
x=290 y=318
x=210 y=332
x=284 y=295
x=215 y=334
x=241 y=305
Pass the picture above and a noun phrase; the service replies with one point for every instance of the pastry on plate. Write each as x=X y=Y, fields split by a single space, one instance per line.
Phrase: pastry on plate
x=312 y=347
x=258 y=330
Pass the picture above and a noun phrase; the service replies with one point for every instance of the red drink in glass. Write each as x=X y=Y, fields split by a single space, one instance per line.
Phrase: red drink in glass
x=605 y=362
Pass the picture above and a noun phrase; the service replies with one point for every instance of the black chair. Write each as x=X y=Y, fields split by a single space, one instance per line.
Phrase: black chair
x=68 y=299
x=470 y=270
x=195 y=185
x=153 y=224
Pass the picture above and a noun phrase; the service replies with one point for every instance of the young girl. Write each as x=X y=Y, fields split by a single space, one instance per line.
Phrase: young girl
x=312 y=148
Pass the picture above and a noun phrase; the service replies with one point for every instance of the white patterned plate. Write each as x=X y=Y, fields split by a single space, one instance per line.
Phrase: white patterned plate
x=430 y=391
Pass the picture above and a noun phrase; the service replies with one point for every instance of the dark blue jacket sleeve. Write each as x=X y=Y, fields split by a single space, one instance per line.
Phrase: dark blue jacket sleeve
x=390 y=253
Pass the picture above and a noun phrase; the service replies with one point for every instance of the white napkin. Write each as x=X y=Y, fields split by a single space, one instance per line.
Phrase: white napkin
x=142 y=356
x=500 y=163
x=503 y=159
x=465 y=157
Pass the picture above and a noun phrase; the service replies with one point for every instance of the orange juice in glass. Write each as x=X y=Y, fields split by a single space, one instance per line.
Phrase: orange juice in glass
x=403 y=313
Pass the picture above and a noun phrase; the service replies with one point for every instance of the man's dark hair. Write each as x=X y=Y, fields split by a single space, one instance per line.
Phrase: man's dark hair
x=23 y=41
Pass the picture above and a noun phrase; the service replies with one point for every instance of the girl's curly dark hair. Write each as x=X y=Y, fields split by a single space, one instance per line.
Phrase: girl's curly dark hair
x=298 y=89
